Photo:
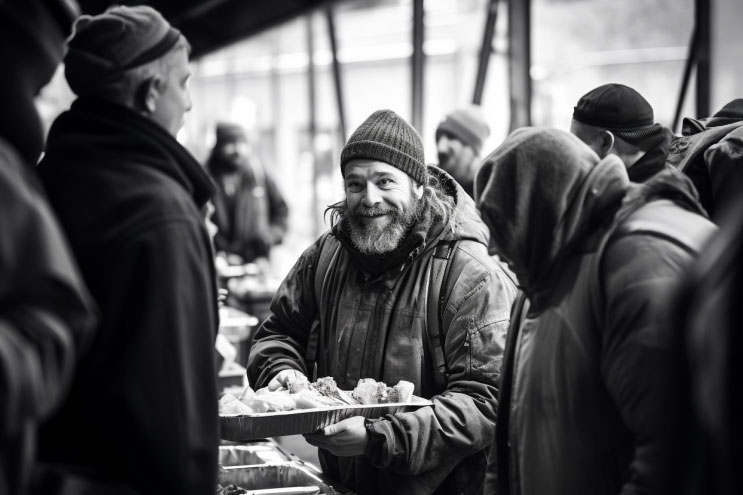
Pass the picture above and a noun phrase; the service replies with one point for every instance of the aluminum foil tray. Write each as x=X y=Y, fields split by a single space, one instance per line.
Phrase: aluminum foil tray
x=250 y=454
x=273 y=476
x=244 y=428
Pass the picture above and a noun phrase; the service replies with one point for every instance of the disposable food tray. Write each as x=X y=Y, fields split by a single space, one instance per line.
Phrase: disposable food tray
x=247 y=427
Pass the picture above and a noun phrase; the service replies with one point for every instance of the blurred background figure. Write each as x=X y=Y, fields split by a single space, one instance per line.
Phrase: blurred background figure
x=141 y=416
x=614 y=118
x=46 y=313
x=710 y=152
x=459 y=140
x=250 y=211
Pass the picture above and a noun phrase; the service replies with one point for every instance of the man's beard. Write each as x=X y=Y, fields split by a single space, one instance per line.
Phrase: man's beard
x=374 y=238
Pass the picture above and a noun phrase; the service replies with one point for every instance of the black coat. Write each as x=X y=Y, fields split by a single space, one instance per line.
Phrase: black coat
x=143 y=406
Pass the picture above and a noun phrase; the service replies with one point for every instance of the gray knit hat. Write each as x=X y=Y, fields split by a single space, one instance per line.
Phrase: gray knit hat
x=385 y=136
x=466 y=124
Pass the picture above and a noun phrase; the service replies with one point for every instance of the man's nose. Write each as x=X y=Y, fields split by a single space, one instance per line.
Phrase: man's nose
x=372 y=195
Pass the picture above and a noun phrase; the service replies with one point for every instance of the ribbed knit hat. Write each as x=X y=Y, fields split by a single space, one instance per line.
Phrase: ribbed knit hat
x=228 y=132
x=385 y=136
x=466 y=124
x=619 y=109
x=107 y=45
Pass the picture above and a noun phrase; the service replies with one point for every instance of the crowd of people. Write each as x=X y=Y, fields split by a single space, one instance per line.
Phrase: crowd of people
x=570 y=303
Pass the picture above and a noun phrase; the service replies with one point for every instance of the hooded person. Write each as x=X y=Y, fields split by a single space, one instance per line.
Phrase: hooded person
x=459 y=140
x=614 y=118
x=46 y=313
x=141 y=415
x=709 y=152
x=584 y=398
x=355 y=305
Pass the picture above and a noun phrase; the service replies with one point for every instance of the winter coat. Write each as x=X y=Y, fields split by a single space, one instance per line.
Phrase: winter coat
x=46 y=316
x=709 y=152
x=143 y=405
x=585 y=392
x=252 y=219
x=654 y=159
x=376 y=328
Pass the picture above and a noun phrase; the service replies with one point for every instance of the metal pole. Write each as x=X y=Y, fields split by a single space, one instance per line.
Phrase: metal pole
x=336 y=72
x=690 y=61
x=485 y=50
x=312 y=118
x=702 y=28
x=417 y=62
x=519 y=56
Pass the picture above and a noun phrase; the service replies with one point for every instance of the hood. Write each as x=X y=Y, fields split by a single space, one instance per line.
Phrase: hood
x=467 y=222
x=110 y=135
x=540 y=192
x=731 y=113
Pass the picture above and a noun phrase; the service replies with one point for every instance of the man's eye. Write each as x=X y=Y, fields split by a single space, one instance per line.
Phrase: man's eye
x=385 y=182
x=354 y=186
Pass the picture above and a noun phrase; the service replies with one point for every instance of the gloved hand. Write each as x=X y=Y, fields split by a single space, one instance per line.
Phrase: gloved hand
x=292 y=380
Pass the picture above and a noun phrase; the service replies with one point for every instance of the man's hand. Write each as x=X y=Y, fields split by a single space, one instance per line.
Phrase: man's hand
x=344 y=439
x=288 y=379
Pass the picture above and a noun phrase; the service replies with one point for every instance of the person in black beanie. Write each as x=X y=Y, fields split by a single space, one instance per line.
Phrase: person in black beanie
x=141 y=416
x=614 y=118
x=356 y=305
x=46 y=314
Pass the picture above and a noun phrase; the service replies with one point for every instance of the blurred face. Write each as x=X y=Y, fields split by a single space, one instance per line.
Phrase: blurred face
x=174 y=97
x=455 y=157
x=383 y=203
x=234 y=154
x=592 y=136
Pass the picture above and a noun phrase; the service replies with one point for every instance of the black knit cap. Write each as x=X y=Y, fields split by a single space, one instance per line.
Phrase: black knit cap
x=387 y=137
x=619 y=109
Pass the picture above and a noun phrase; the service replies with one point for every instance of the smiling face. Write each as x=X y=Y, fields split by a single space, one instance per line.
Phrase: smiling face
x=383 y=202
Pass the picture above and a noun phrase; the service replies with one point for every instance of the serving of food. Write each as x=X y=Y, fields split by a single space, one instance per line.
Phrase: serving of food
x=322 y=393
x=307 y=406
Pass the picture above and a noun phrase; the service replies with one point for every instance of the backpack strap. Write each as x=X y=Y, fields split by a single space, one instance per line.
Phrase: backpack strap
x=438 y=270
x=327 y=253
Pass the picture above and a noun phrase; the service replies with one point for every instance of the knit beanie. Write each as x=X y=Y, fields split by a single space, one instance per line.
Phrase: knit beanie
x=228 y=132
x=107 y=45
x=466 y=124
x=385 y=136
x=619 y=109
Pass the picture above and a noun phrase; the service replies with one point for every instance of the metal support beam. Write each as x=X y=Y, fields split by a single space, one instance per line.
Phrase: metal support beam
x=417 y=65
x=519 y=57
x=312 y=117
x=690 y=61
x=485 y=50
x=703 y=49
x=336 y=71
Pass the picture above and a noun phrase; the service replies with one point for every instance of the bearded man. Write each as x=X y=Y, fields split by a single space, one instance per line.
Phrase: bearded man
x=355 y=306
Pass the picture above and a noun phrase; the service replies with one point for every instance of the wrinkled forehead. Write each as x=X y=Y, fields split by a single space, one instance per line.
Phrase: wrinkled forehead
x=370 y=169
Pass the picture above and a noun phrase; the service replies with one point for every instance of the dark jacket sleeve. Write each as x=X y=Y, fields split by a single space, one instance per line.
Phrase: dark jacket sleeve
x=278 y=211
x=640 y=274
x=281 y=341
x=462 y=420
x=46 y=314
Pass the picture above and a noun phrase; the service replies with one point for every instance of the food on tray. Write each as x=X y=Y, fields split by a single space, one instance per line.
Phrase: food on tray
x=228 y=404
x=370 y=391
x=231 y=490
x=319 y=394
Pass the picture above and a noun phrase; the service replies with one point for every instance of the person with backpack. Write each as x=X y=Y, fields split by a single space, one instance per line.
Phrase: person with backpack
x=709 y=151
x=400 y=288
x=585 y=398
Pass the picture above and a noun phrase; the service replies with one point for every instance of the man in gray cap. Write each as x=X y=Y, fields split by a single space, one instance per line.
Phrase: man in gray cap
x=459 y=140
x=614 y=118
x=46 y=313
x=371 y=299
x=142 y=413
